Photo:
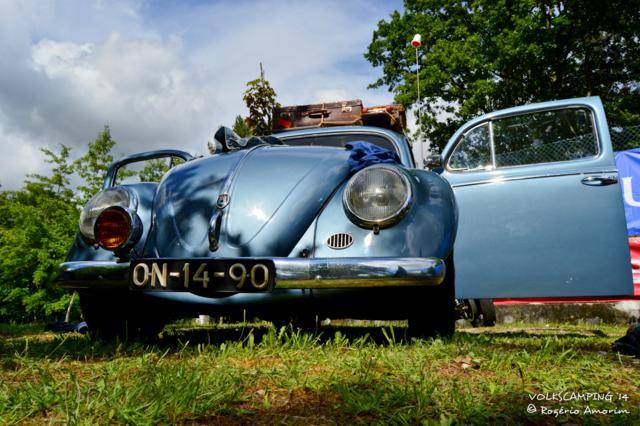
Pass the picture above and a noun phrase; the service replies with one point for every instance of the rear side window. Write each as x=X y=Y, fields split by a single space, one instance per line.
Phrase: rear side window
x=341 y=140
x=544 y=137
x=473 y=151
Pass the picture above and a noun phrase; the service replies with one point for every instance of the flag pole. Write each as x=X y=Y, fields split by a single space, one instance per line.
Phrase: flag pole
x=417 y=42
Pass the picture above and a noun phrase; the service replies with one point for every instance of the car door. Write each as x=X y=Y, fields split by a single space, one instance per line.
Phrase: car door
x=540 y=207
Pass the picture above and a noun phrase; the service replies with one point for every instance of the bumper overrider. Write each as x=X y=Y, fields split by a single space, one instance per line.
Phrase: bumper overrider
x=290 y=273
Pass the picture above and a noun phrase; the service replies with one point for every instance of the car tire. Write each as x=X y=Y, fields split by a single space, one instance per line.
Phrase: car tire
x=120 y=317
x=437 y=315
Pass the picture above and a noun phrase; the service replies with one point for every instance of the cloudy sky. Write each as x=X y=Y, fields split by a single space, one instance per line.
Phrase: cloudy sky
x=167 y=73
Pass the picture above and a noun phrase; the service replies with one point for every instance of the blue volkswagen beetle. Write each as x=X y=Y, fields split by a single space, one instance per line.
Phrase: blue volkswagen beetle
x=313 y=224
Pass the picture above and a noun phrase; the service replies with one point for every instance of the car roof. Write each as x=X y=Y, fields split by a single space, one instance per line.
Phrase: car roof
x=399 y=140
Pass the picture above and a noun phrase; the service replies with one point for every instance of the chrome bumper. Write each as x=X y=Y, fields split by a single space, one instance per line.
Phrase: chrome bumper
x=324 y=273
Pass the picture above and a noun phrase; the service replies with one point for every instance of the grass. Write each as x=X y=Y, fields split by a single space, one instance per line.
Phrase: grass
x=344 y=374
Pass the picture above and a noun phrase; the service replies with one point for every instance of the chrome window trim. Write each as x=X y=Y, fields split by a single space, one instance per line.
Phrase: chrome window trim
x=492 y=147
x=114 y=167
x=594 y=124
x=459 y=141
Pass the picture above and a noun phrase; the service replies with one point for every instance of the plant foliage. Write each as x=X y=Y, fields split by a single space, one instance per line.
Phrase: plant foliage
x=260 y=99
x=37 y=226
x=479 y=56
x=39 y=222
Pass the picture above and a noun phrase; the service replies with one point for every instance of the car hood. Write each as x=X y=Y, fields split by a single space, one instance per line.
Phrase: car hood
x=275 y=193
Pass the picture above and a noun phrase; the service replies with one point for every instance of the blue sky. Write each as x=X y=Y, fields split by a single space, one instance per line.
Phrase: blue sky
x=167 y=73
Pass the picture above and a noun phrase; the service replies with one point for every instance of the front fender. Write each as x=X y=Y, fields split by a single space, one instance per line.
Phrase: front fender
x=427 y=230
x=145 y=193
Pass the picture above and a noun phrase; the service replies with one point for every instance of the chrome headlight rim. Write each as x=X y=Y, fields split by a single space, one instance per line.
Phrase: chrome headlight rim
x=131 y=205
x=385 y=221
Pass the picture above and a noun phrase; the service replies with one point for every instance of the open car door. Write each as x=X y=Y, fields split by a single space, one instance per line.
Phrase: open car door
x=540 y=207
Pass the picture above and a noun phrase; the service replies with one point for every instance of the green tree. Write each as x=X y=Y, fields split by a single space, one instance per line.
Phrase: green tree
x=61 y=171
x=479 y=56
x=154 y=170
x=241 y=127
x=37 y=227
x=38 y=224
x=260 y=99
x=92 y=166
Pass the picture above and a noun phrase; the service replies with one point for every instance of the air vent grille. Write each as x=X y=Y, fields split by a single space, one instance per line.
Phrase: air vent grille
x=340 y=241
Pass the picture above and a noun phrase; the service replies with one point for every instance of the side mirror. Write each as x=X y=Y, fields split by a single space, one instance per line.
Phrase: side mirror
x=433 y=162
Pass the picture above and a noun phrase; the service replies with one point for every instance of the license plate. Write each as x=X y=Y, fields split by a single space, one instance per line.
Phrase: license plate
x=202 y=275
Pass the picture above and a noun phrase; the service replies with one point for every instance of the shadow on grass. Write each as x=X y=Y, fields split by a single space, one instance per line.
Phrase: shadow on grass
x=372 y=402
x=81 y=347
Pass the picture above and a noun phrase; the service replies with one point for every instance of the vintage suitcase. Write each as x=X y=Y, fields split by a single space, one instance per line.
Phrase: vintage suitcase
x=343 y=113
x=388 y=116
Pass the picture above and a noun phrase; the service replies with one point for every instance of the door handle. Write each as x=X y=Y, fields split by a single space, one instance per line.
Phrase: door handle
x=601 y=180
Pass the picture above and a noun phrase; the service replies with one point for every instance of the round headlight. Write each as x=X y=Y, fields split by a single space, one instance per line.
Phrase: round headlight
x=113 y=228
x=377 y=195
x=97 y=204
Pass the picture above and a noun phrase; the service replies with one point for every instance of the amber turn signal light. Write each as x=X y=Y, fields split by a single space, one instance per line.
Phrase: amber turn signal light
x=113 y=228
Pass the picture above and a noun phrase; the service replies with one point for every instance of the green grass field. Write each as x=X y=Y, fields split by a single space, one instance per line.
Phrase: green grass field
x=344 y=374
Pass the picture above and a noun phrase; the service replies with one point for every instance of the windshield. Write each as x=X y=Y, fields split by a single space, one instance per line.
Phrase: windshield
x=341 y=140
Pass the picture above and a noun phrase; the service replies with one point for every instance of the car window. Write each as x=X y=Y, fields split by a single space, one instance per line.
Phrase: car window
x=341 y=140
x=146 y=171
x=544 y=137
x=473 y=151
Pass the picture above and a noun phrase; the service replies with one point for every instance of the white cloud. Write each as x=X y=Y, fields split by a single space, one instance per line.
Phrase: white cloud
x=57 y=59
x=19 y=157
x=166 y=75
x=139 y=87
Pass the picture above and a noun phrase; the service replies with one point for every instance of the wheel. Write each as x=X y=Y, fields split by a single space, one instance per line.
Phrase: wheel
x=467 y=309
x=436 y=315
x=486 y=313
x=120 y=316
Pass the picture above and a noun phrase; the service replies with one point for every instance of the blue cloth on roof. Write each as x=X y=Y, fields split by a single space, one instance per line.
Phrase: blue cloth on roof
x=365 y=154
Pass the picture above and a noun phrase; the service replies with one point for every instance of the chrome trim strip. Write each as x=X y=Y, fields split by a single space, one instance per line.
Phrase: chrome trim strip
x=354 y=272
x=215 y=222
x=93 y=274
x=501 y=179
x=318 y=273
x=492 y=146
